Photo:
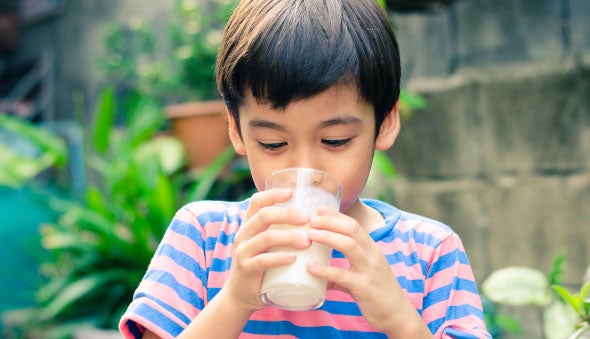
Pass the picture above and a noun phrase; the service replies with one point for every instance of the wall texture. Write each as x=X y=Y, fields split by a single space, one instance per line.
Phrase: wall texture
x=502 y=153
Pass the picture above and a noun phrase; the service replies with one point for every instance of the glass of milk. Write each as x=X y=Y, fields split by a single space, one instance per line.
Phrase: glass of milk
x=291 y=287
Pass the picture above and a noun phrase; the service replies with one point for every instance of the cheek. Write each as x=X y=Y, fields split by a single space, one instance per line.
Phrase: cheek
x=353 y=181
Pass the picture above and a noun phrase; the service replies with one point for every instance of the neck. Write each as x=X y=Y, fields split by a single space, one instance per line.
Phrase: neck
x=369 y=218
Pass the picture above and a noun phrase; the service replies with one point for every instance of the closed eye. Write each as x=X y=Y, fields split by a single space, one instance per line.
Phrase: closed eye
x=336 y=143
x=272 y=146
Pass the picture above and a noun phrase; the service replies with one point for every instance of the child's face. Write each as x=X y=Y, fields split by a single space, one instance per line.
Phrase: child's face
x=333 y=131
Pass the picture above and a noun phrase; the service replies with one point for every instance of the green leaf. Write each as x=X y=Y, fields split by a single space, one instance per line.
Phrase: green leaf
x=567 y=297
x=508 y=323
x=584 y=291
x=384 y=165
x=202 y=188
x=38 y=135
x=557 y=269
x=412 y=100
x=517 y=285
x=145 y=119
x=105 y=117
x=76 y=290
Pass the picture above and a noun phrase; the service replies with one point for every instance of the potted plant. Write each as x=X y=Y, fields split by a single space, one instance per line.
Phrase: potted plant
x=178 y=70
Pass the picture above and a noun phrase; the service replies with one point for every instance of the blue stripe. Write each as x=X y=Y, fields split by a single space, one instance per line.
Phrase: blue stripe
x=412 y=286
x=223 y=238
x=434 y=325
x=218 y=216
x=187 y=230
x=185 y=293
x=443 y=293
x=341 y=307
x=285 y=327
x=408 y=260
x=448 y=260
x=183 y=260
x=220 y=265
x=453 y=333
x=462 y=311
x=164 y=305
x=163 y=322
x=418 y=237
x=456 y=312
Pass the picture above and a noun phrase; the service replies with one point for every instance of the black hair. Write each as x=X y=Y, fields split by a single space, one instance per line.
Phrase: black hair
x=285 y=50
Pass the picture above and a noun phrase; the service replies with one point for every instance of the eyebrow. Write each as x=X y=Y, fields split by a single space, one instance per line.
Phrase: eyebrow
x=344 y=120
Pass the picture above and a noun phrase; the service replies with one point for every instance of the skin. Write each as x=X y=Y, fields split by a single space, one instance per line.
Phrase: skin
x=331 y=131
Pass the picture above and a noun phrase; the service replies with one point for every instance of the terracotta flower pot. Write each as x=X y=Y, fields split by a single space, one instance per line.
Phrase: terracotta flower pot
x=202 y=128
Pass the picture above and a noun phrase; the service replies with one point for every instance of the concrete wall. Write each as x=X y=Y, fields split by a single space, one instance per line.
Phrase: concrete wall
x=502 y=153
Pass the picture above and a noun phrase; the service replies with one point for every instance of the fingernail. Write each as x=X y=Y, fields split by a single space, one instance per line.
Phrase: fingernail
x=292 y=255
x=313 y=232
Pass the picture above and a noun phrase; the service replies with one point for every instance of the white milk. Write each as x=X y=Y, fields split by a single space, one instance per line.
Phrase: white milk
x=291 y=287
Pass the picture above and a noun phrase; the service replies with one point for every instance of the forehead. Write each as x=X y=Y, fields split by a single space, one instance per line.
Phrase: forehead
x=336 y=106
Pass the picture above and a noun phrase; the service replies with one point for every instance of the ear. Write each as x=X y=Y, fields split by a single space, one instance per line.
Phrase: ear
x=389 y=129
x=234 y=135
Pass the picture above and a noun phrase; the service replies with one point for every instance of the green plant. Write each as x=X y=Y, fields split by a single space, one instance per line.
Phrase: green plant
x=580 y=303
x=174 y=67
x=26 y=151
x=100 y=246
x=560 y=311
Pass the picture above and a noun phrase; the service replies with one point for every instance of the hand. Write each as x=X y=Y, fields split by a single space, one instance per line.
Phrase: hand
x=384 y=305
x=250 y=258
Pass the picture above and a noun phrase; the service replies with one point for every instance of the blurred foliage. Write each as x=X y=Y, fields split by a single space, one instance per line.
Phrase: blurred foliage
x=176 y=67
x=564 y=314
x=101 y=246
x=26 y=151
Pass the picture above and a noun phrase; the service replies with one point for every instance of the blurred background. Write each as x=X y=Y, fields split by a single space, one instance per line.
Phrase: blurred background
x=97 y=97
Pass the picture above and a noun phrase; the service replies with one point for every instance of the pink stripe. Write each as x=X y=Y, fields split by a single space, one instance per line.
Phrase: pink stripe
x=410 y=272
x=424 y=227
x=221 y=252
x=446 y=276
x=170 y=297
x=314 y=319
x=185 y=245
x=217 y=279
x=181 y=274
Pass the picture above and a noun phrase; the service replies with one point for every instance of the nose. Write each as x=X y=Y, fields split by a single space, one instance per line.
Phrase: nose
x=305 y=157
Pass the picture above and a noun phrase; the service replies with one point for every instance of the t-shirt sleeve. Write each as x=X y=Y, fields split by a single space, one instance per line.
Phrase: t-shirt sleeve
x=172 y=291
x=452 y=304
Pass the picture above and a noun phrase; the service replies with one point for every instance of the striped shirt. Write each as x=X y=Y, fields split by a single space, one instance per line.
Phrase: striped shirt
x=193 y=261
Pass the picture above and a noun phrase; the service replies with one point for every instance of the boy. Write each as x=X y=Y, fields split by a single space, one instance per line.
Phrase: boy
x=308 y=83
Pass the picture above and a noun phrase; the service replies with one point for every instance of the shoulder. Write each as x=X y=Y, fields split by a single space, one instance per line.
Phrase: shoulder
x=206 y=211
x=412 y=226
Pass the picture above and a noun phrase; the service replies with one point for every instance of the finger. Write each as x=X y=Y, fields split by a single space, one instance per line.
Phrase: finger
x=264 y=261
x=346 y=244
x=267 y=216
x=274 y=240
x=267 y=198
x=338 y=278
x=333 y=221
